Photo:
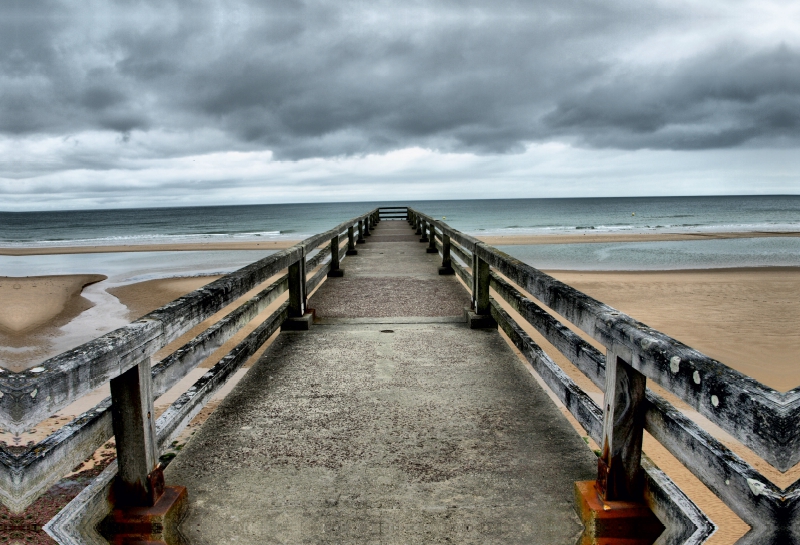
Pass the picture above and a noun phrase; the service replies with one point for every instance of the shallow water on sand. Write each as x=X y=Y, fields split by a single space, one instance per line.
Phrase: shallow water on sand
x=128 y=267
x=107 y=313
x=672 y=255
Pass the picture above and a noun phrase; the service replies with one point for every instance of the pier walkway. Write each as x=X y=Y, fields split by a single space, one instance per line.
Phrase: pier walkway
x=389 y=421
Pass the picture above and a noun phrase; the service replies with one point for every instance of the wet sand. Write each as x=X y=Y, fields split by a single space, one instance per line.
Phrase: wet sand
x=589 y=237
x=144 y=297
x=32 y=312
x=33 y=302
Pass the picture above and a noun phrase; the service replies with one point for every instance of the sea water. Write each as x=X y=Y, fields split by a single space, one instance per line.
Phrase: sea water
x=477 y=217
x=491 y=217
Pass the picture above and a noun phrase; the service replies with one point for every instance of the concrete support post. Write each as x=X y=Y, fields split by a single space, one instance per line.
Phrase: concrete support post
x=481 y=316
x=431 y=249
x=351 y=242
x=424 y=231
x=297 y=288
x=360 y=232
x=447 y=263
x=139 y=482
x=367 y=227
x=299 y=319
x=335 y=271
x=619 y=469
x=419 y=224
x=613 y=506
x=480 y=285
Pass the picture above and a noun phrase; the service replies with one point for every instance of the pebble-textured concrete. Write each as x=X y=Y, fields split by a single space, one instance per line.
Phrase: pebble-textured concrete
x=391 y=279
x=423 y=432
x=378 y=297
x=395 y=238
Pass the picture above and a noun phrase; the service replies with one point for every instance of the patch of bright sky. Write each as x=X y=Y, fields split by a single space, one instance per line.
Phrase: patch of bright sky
x=543 y=170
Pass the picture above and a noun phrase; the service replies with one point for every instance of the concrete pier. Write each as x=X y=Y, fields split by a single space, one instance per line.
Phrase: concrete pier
x=389 y=421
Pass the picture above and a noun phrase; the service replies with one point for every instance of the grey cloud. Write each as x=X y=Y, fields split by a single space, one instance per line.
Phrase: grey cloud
x=308 y=79
x=719 y=100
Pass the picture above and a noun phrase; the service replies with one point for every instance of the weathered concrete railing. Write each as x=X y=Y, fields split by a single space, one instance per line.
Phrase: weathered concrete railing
x=763 y=419
x=123 y=359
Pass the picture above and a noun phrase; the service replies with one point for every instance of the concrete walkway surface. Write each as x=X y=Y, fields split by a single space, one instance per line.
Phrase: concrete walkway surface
x=388 y=422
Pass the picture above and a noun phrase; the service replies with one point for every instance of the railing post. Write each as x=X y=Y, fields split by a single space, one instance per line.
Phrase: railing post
x=299 y=319
x=367 y=222
x=351 y=242
x=297 y=287
x=431 y=249
x=335 y=271
x=619 y=468
x=139 y=483
x=447 y=263
x=360 y=232
x=141 y=501
x=419 y=224
x=613 y=505
x=424 y=231
x=480 y=285
x=481 y=316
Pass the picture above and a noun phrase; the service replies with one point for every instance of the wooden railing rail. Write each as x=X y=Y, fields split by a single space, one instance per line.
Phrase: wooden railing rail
x=29 y=397
x=393 y=212
x=759 y=417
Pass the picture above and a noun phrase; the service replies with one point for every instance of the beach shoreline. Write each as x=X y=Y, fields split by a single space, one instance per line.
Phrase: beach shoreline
x=599 y=238
x=169 y=247
x=495 y=240
x=733 y=314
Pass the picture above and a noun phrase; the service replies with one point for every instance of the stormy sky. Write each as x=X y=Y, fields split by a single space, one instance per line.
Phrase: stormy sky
x=137 y=103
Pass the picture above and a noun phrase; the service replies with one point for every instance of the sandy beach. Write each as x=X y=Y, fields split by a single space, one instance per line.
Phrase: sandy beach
x=745 y=318
x=33 y=302
x=34 y=309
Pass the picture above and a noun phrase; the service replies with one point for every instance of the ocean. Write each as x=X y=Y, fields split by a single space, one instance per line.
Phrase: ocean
x=478 y=217
x=296 y=221
x=495 y=217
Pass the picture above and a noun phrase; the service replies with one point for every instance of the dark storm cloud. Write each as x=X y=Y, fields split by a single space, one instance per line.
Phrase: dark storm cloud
x=722 y=99
x=310 y=79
